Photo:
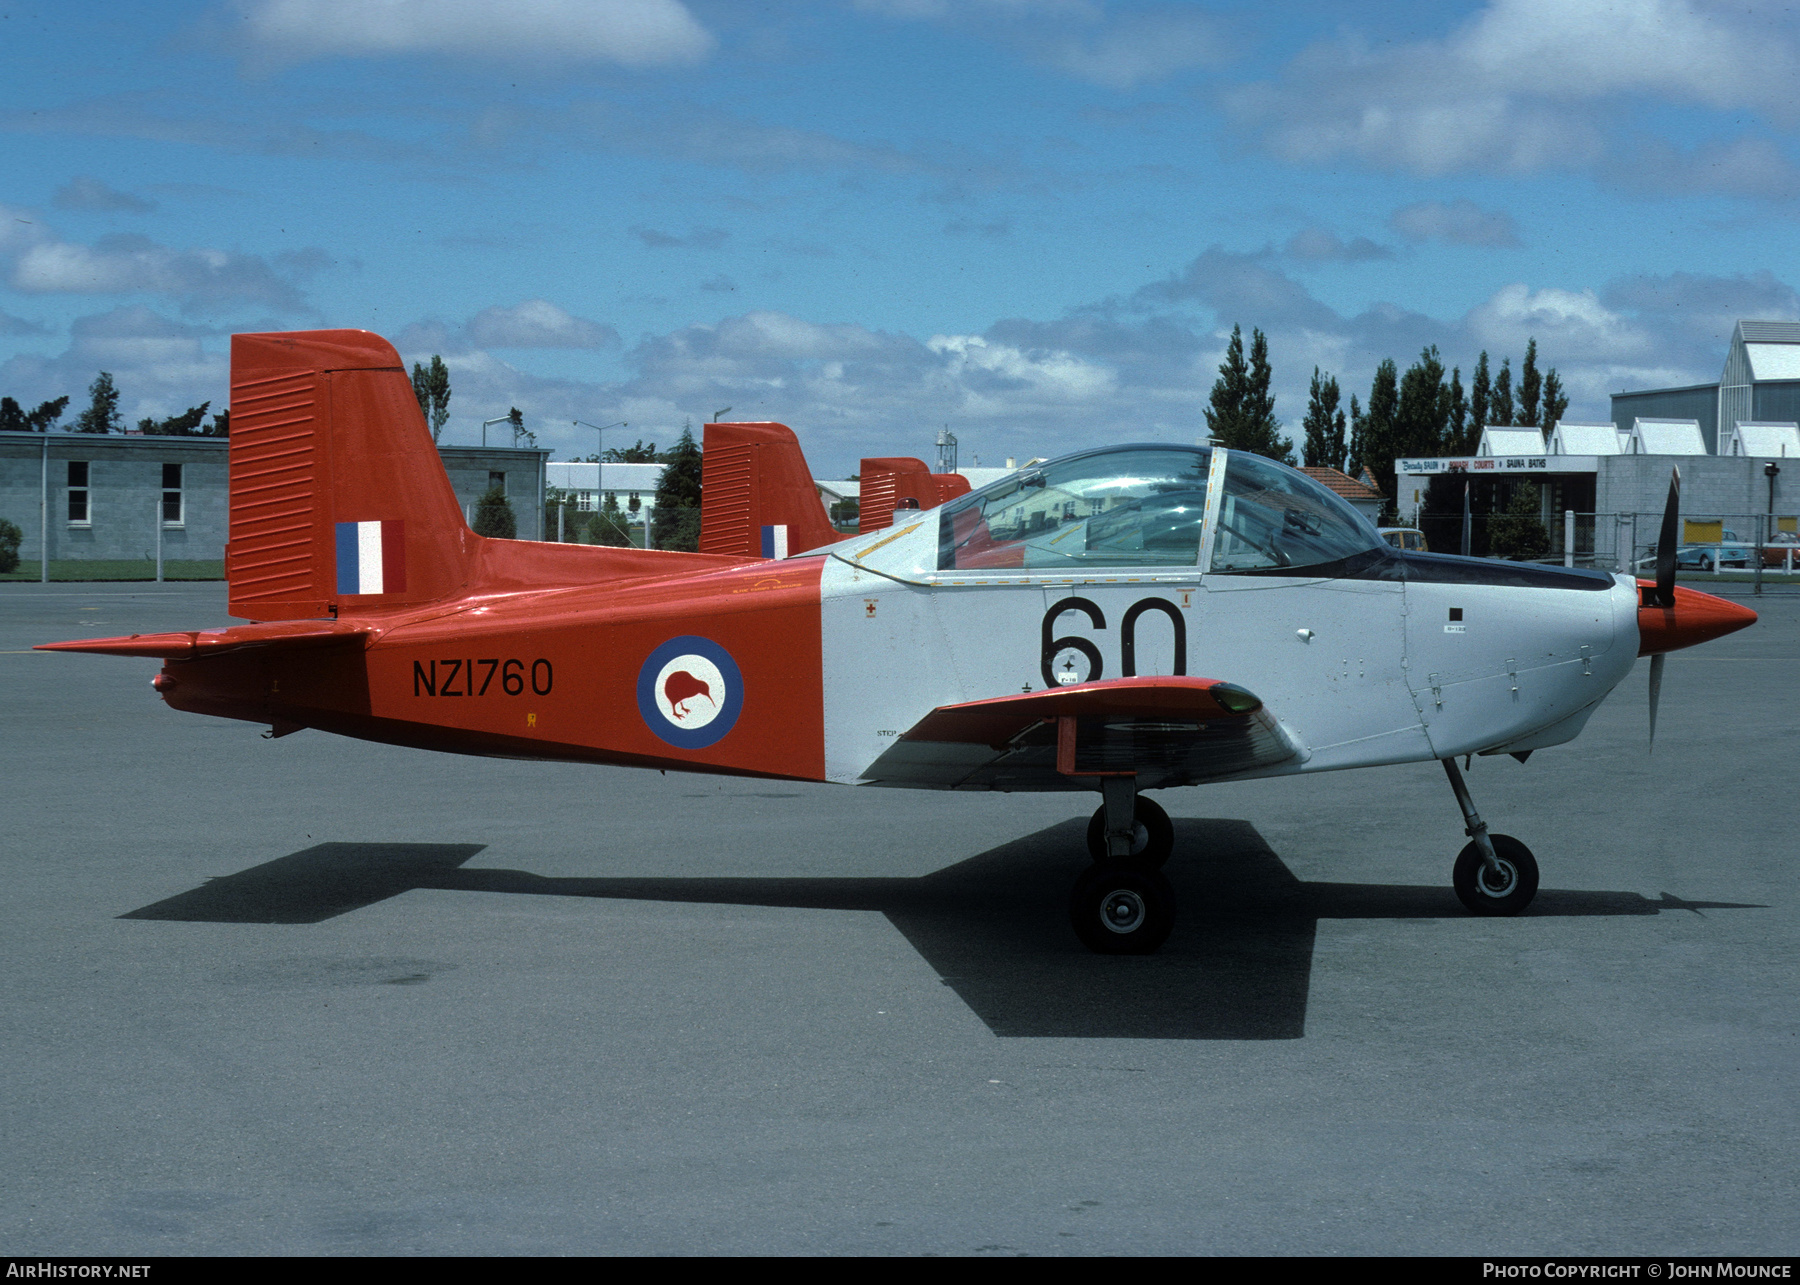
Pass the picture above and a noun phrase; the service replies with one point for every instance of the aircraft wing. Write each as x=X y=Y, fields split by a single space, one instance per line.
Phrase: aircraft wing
x=1166 y=731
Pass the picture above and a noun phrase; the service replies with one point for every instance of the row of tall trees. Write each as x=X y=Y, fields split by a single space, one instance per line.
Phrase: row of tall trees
x=102 y=416
x=1422 y=412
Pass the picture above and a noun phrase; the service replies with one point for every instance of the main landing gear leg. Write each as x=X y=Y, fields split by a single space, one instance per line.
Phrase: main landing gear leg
x=1122 y=905
x=1494 y=874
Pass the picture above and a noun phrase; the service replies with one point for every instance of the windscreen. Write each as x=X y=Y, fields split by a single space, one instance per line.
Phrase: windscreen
x=1126 y=506
x=1274 y=518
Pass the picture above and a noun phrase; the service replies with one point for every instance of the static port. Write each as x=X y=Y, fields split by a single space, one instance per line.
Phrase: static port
x=163 y=682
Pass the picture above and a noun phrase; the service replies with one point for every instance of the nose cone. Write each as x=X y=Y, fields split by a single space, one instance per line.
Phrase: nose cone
x=1695 y=618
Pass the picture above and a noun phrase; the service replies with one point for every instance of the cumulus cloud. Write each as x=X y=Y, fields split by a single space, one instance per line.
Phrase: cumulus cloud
x=131 y=264
x=1321 y=246
x=159 y=365
x=84 y=193
x=633 y=33
x=1522 y=85
x=200 y=280
x=1460 y=222
x=1749 y=167
x=536 y=323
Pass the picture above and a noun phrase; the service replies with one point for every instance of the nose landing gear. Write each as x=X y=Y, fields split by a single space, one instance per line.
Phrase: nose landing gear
x=1494 y=874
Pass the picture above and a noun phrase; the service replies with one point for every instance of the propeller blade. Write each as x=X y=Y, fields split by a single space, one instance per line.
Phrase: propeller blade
x=1665 y=544
x=1656 y=668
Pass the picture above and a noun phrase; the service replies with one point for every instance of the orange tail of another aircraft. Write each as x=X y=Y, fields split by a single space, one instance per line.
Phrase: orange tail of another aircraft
x=760 y=499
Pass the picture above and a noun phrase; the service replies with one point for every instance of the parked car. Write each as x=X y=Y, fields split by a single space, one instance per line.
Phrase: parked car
x=1780 y=547
x=1405 y=537
x=1702 y=557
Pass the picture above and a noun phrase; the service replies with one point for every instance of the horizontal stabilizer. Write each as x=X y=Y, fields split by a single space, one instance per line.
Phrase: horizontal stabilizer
x=193 y=643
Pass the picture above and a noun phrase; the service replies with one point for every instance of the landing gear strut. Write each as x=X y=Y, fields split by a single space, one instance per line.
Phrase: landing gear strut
x=1494 y=874
x=1122 y=905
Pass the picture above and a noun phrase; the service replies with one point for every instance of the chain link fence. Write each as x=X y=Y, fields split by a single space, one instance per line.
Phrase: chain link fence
x=1761 y=550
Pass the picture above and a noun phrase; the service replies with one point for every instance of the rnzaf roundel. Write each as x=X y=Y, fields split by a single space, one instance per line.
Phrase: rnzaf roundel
x=690 y=692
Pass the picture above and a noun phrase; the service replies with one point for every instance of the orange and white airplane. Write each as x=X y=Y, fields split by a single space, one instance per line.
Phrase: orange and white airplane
x=1046 y=633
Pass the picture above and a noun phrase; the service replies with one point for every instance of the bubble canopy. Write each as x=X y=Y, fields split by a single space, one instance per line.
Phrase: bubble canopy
x=1145 y=506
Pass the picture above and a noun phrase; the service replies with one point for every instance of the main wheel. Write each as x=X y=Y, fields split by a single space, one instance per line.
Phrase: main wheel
x=1117 y=910
x=1506 y=893
x=1706 y=564
x=1152 y=840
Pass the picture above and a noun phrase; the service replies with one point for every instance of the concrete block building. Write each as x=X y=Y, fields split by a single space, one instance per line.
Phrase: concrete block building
x=108 y=497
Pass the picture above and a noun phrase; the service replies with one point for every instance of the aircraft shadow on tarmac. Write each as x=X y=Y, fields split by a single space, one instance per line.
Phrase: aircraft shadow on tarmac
x=995 y=926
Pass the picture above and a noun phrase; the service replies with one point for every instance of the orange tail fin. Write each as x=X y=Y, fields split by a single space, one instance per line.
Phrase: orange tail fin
x=338 y=497
x=758 y=497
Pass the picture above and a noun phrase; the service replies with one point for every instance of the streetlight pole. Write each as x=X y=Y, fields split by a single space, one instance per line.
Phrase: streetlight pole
x=598 y=430
x=498 y=419
x=723 y=410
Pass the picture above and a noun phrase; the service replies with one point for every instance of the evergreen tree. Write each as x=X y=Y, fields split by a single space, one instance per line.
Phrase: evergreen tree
x=1422 y=409
x=431 y=385
x=1456 y=415
x=1225 y=408
x=1519 y=532
x=641 y=452
x=12 y=417
x=1354 y=463
x=221 y=425
x=1242 y=410
x=1555 y=402
x=1500 y=403
x=182 y=425
x=1324 y=423
x=1481 y=394
x=494 y=516
x=677 y=521
x=1379 y=430
x=1530 y=387
x=102 y=414
x=10 y=539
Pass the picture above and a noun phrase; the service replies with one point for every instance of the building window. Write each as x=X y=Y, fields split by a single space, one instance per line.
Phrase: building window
x=173 y=513
x=79 y=512
x=584 y=501
x=496 y=479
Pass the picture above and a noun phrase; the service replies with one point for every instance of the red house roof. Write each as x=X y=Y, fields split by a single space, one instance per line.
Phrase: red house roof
x=1343 y=484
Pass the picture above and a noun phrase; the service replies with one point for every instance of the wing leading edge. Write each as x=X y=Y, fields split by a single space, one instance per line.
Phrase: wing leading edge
x=1165 y=731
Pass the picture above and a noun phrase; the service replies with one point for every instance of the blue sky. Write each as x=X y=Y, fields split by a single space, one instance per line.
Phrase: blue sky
x=1035 y=221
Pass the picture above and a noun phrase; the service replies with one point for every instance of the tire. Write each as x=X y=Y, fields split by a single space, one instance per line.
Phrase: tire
x=1154 y=839
x=1706 y=564
x=1521 y=878
x=1117 y=910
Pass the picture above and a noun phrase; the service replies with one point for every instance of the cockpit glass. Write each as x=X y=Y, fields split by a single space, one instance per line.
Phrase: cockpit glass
x=1274 y=517
x=1127 y=506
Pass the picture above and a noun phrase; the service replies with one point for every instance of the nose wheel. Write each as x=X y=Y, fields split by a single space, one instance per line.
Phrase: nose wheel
x=1505 y=890
x=1494 y=874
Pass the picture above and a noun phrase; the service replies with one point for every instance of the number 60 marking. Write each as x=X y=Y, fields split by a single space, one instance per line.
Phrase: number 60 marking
x=1127 y=636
